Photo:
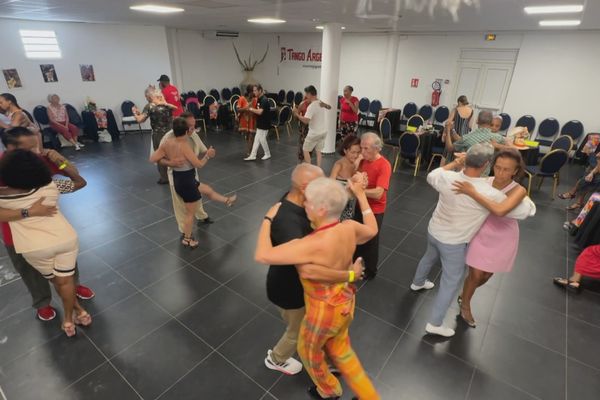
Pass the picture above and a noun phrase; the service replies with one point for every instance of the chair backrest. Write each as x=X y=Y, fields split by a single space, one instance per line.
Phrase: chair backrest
x=298 y=97
x=409 y=143
x=193 y=107
x=564 y=142
x=126 y=108
x=414 y=122
x=548 y=128
x=234 y=107
x=375 y=107
x=385 y=129
x=209 y=99
x=273 y=103
x=527 y=121
x=226 y=94
x=236 y=90
x=281 y=96
x=29 y=116
x=506 y=120
x=284 y=115
x=409 y=110
x=201 y=95
x=425 y=111
x=363 y=105
x=41 y=115
x=572 y=128
x=289 y=97
x=234 y=97
x=215 y=93
x=552 y=162
x=441 y=114
x=74 y=116
x=339 y=102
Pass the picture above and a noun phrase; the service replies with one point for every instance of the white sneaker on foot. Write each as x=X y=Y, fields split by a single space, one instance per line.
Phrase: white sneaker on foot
x=81 y=144
x=266 y=157
x=77 y=147
x=439 y=330
x=250 y=158
x=427 y=285
x=290 y=367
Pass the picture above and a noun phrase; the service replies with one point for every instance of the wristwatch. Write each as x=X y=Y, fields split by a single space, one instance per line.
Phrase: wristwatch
x=24 y=213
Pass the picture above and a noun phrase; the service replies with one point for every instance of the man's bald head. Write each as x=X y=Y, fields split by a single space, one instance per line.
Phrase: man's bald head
x=304 y=174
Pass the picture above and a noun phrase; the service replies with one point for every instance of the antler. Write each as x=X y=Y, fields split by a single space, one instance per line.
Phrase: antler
x=242 y=63
x=262 y=59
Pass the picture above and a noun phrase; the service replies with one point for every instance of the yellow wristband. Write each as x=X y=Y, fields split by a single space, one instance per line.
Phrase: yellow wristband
x=351 y=276
x=63 y=165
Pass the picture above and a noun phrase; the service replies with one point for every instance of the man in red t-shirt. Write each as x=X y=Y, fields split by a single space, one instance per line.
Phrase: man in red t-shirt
x=379 y=172
x=38 y=286
x=171 y=94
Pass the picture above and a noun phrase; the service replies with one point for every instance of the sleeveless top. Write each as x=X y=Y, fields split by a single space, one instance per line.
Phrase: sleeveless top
x=186 y=165
x=461 y=125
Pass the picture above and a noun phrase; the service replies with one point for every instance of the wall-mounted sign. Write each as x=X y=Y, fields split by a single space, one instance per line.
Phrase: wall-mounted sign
x=305 y=57
x=414 y=82
x=490 y=37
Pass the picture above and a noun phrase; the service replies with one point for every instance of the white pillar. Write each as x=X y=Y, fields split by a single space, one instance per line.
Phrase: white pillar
x=330 y=76
x=391 y=62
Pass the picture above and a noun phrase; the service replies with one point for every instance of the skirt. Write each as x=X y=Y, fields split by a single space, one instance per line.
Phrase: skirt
x=186 y=185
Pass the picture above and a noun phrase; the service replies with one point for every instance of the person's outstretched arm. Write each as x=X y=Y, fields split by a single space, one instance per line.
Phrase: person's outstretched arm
x=514 y=198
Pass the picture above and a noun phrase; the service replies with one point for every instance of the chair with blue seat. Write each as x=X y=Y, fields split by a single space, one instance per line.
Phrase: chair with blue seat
x=193 y=107
x=408 y=111
x=373 y=114
x=226 y=95
x=234 y=98
x=546 y=131
x=236 y=90
x=441 y=115
x=281 y=119
x=289 y=98
x=426 y=112
x=506 y=120
x=409 y=147
x=414 y=123
x=528 y=122
x=215 y=93
x=574 y=129
x=562 y=142
x=298 y=97
x=281 y=96
x=201 y=95
x=386 y=135
x=363 y=109
x=128 y=117
x=74 y=117
x=50 y=138
x=549 y=167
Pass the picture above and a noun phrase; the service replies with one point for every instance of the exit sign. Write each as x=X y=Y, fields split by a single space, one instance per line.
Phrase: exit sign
x=490 y=37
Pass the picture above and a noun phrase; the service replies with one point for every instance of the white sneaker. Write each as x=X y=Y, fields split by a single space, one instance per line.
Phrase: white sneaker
x=290 y=367
x=77 y=147
x=266 y=157
x=250 y=158
x=81 y=144
x=439 y=330
x=427 y=285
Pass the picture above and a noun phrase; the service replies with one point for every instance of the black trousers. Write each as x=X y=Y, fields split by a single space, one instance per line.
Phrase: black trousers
x=37 y=285
x=370 y=250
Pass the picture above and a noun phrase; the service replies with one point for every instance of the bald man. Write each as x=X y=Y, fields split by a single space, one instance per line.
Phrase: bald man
x=284 y=289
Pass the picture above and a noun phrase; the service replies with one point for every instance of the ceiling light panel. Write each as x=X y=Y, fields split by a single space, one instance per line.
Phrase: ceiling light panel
x=575 y=8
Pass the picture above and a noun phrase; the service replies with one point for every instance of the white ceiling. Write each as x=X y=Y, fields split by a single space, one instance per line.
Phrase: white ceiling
x=303 y=15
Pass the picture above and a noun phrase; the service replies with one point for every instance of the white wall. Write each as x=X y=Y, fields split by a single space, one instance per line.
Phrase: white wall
x=126 y=59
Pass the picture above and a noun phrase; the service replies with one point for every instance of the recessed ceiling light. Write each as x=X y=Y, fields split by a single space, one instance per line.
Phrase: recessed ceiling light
x=575 y=8
x=267 y=20
x=321 y=27
x=157 y=9
x=568 y=22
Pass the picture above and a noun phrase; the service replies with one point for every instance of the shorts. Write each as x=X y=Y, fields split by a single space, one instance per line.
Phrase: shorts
x=314 y=142
x=54 y=261
x=186 y=185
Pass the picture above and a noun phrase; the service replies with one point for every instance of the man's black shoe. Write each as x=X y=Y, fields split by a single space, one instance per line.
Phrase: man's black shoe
x=314 y=393
x=205 y=221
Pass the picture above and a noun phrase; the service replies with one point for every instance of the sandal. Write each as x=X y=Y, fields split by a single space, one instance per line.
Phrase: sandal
x=69 y=329
x=231 y=200
x=83 y=319
x=468 y=321
x=566 y=196
x=568 y=284
x=459 y=300
x=190 y=242
x=574 y=206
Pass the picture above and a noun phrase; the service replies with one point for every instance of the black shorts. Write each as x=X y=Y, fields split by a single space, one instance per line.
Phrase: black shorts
x=186 y=185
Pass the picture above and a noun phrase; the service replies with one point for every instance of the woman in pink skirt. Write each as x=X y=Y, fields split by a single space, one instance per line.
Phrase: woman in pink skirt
x=494 y=247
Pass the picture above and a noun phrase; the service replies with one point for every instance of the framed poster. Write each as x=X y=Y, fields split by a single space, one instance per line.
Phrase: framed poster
x=49 y=73
x=87 y=72
x=12 y=78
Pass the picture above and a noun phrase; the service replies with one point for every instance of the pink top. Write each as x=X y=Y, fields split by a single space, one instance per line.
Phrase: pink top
x=57 y=113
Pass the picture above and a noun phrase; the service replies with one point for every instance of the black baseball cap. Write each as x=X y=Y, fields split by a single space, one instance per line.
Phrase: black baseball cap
x=163 y=78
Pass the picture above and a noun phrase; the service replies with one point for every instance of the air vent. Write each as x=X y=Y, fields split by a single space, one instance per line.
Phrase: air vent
x=220 y=35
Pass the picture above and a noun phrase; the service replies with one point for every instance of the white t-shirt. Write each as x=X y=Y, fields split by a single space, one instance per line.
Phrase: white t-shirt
x=317 y=125
x=458 y=217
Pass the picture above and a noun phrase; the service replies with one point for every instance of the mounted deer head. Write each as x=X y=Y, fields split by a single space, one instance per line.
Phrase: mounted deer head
x=249 y=65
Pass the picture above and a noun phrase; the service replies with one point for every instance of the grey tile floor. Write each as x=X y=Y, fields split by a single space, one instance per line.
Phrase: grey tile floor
x=176 y=324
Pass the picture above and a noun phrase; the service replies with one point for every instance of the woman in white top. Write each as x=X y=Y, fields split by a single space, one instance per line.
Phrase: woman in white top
x=59 y=121
x=49 y=244
x=10 y=107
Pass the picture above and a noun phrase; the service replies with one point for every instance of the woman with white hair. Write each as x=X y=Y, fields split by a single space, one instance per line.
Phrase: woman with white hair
x=59 y=121
x=161 y=121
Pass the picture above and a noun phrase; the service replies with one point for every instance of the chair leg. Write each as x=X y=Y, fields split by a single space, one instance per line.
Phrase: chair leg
x=277 y=133
x=541 y=181
x=417 y=164
x=396 y=160
x=287 y=127
x=529 y=179
x=554 y=186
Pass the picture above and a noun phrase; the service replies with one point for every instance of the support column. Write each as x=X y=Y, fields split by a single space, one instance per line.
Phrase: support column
x=391 y=63
x=330 y=76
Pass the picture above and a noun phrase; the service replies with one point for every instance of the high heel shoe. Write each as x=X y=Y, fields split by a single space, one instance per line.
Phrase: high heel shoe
x=468 y=321
x=189 y=242
x=231 y=200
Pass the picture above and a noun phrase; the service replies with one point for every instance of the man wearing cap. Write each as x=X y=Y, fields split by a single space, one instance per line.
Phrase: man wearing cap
x=171 y=94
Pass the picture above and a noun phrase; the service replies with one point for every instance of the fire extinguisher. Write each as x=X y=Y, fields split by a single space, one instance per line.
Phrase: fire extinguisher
x=437 y=92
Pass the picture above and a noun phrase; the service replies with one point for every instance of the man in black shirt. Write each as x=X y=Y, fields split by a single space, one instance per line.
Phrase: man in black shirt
x=263 y=124
x=283 y=283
